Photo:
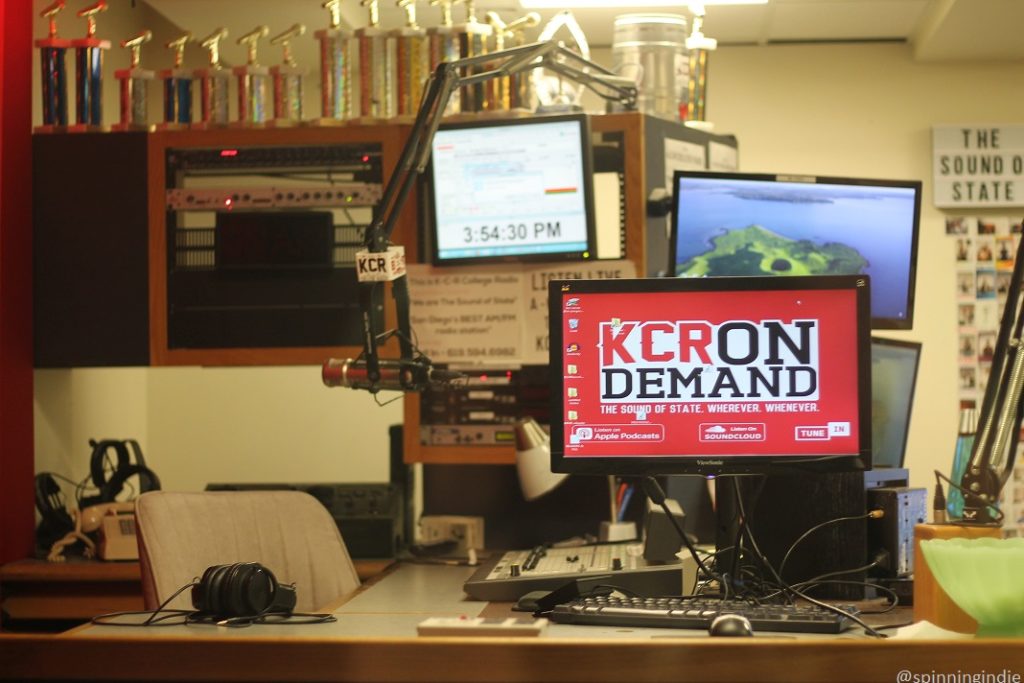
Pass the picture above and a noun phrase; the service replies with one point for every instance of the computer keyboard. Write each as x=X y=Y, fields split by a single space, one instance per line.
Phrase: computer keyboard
x=515 y=573
x=697 y=612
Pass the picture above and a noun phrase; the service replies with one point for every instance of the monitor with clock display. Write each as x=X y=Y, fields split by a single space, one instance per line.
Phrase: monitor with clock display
x=512 y=190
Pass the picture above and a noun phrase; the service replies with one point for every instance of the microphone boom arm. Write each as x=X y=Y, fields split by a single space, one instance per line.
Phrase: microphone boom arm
x=446 y=79
x=1002 y=412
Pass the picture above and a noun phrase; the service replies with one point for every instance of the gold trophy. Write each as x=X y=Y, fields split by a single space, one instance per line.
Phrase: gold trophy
x=214 y=84
x=287 y=78
x=335 y=89
x=89 y=72
x=252 y=82
x=177 y=88
x=134 y=87
x=411 y=64
x=698 y=45
x=372 y=77
x=473 y=38
x=444 y=47
x=511 y=93
x=52 y=53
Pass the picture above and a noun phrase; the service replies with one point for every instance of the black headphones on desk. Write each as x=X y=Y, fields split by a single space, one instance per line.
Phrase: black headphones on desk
x=243 y=589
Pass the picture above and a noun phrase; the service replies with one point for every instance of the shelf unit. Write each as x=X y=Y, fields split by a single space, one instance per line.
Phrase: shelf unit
x=101 y=254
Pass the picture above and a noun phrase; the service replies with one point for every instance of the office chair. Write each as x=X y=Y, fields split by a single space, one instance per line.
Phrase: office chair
x=180 y=535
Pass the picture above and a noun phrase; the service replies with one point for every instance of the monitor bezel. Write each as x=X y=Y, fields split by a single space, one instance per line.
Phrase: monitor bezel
x=917 y=347
x=877 y=322
x=696 y=464
x=587 y=161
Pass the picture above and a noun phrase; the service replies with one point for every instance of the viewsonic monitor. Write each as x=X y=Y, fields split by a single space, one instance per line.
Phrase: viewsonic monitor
x=512 y=190
x=735 y=224
x=710 y=376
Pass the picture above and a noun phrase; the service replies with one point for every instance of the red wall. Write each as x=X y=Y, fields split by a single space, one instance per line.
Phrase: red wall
x=16 y=448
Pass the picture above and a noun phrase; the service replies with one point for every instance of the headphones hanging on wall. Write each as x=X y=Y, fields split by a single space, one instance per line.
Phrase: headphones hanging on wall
x=110 y=487
x=243 y=589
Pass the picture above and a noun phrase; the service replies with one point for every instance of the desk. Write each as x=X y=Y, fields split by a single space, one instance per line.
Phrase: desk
x=375 y=639
x=76 y=591
x=32 y=590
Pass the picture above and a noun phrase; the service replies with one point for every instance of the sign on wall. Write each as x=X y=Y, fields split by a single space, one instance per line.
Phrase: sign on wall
x=978 y=165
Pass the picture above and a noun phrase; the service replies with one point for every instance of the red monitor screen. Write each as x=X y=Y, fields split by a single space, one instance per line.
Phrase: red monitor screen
x=709 y=376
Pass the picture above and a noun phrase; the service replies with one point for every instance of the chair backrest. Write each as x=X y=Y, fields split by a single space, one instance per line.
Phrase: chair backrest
x=289 y=532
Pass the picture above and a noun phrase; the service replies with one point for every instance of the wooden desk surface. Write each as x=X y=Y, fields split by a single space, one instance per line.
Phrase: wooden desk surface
x=74 y=591
x=374 y=640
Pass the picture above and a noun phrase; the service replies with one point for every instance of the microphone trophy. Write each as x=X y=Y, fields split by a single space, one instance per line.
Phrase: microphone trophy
x=473 y=37
x=512 y=92
x=134 y=87
x=177 y=88
x=214 y=83
x=410 y=47
x=443 y=46
x=335 y=93
x=373 y=75
x=89 y=72
x=252 y=82
x=287 y=78
x=52 y=53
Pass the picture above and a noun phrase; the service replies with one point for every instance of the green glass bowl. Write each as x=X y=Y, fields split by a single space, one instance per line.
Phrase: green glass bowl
x=984 y=577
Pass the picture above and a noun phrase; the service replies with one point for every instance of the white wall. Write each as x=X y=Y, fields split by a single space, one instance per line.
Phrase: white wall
x=854 y=110
x=866 y=111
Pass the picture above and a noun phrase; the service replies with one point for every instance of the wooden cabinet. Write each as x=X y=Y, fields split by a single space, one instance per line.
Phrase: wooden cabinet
x=122 y=278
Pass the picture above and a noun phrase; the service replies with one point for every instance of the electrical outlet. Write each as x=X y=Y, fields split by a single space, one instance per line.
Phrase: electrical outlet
x=467 y=532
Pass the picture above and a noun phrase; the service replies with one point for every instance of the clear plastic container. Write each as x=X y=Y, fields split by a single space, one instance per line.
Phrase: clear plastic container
x=651 y=49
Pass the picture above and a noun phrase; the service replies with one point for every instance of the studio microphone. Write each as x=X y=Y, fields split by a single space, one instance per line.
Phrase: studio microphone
x=395 y=375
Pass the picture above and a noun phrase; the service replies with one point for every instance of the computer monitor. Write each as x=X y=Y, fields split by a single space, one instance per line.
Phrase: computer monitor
x=894 y=366
x=512 y=190
x=710 y=376
x=760 y=224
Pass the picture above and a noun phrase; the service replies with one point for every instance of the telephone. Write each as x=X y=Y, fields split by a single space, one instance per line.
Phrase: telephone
x=115 y=525
x=100 y=515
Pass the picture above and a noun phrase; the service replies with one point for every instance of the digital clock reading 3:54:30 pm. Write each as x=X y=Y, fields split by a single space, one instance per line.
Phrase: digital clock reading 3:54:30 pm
x=512 y=232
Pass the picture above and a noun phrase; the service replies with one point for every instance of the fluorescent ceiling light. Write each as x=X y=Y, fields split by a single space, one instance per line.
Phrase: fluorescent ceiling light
x=617 y=4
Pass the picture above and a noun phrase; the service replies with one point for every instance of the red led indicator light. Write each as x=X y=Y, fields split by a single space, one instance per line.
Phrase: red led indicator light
x=229 y=152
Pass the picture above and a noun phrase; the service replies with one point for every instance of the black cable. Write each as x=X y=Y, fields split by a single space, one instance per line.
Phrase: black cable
x=889 y=626
x=654 y=491
x=814 y=601
x=161 y=616
x=263 y=619
x=155 y=616
x=816 y=527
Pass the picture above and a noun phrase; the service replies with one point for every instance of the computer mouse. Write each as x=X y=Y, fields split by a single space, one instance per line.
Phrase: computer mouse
x=730 y=625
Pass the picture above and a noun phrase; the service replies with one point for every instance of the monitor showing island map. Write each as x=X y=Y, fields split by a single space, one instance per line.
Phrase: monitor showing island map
x=735 y=224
